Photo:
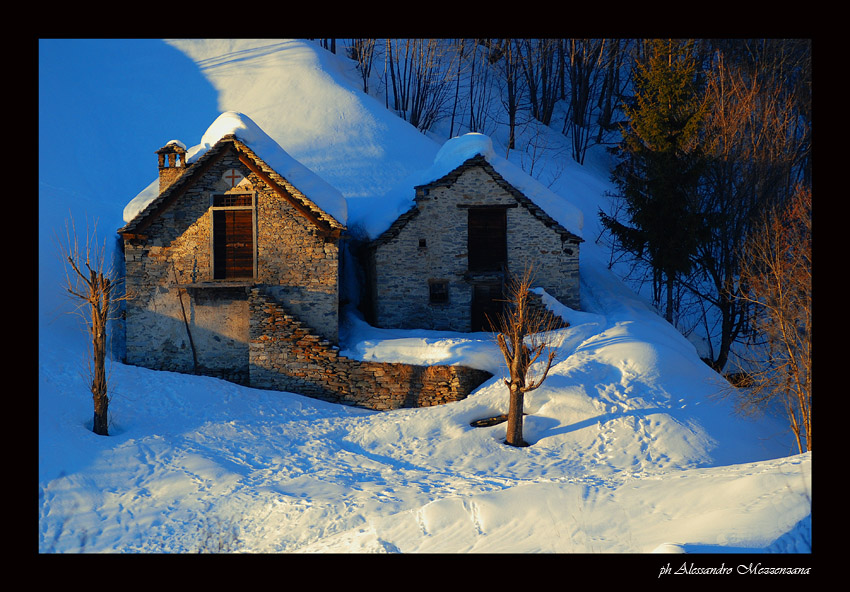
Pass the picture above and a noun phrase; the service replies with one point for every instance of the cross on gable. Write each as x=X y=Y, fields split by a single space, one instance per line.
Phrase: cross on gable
x=232 y=177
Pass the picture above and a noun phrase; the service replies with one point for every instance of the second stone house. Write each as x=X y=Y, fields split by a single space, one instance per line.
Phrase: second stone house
x=444 y=263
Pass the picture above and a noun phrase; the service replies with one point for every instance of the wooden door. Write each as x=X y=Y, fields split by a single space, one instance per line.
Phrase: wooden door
x=233 y=244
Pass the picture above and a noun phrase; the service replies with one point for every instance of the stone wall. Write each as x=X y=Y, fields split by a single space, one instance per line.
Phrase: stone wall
x=286 y=355
x=429 y=243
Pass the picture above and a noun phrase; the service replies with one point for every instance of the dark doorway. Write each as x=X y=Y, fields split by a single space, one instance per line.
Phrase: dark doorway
x=487 y=245
x=487 y=242
x=486 y=305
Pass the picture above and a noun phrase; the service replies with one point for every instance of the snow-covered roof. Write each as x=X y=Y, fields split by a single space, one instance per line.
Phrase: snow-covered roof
x=469 y=147
x=458 y=150
x=326 y=197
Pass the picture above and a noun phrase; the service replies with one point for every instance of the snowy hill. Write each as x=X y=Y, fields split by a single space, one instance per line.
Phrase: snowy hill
x=633 y=450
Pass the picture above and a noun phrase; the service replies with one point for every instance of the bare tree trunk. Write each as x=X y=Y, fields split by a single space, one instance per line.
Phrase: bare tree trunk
x=510 y=98
x=668 y=313
x=100 y=316
x=363 y=52
x=515 y=410
x=179 y=291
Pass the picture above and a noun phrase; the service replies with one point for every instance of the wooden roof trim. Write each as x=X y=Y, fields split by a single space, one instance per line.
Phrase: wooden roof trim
x=295 y=203
x=452 y=176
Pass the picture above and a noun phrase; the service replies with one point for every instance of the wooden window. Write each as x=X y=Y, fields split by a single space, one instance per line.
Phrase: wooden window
x=228 y=200
x=487 y=239
x=233 y=236
x=438 y=291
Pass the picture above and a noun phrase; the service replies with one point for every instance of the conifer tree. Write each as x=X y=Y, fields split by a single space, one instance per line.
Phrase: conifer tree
x=659 y=165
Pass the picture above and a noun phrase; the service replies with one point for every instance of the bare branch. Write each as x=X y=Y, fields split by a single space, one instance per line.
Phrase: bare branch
x=776 y=273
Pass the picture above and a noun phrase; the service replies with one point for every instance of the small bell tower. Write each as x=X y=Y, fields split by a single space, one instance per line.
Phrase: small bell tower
x=172 y=163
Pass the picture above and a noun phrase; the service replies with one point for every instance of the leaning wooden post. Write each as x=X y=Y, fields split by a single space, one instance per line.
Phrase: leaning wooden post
x=185 y=319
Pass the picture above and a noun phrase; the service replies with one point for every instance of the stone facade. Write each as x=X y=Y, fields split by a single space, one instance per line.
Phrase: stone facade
x=181 y=318
x=430 y=245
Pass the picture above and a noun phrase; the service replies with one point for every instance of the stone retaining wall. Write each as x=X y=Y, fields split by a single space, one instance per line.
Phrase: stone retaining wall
x=286 y=355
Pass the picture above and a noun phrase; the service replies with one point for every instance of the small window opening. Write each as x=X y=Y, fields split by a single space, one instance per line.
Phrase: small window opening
x=226 y=200
x=438 y=291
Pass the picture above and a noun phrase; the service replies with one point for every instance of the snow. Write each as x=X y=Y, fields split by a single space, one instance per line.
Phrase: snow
x=633 y=447
x=241 y=126
x=451 y=155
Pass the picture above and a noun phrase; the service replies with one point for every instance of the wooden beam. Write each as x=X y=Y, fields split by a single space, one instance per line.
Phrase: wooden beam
x=133 y=236
x=299 y=207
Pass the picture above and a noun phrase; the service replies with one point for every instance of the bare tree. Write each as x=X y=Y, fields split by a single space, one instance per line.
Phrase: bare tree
x=94 y=285
x=523 y=333
x=756 y=150
x=777 y=277
x=362 y=51
x=587 y=70
x=537 y=58
x=506 y=56
x=475 y=70
x=614 y=82
x=420 y=78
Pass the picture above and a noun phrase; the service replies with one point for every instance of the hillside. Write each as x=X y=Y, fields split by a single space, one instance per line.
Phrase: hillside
x=633 y=448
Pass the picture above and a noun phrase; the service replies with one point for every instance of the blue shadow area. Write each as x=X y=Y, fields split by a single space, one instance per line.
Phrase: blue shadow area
x=105 y=106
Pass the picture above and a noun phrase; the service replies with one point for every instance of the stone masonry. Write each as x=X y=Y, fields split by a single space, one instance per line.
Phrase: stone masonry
x=180 y=318
x=287 y=355
x=429 y=243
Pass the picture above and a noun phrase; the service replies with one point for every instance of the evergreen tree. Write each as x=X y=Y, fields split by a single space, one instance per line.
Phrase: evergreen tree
x=659 y=165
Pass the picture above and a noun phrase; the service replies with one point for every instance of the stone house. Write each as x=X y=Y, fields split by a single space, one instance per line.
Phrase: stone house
x=443 y=264
x=219 y=227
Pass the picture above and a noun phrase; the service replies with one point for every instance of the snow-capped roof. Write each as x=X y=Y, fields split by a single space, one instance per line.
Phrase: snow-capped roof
x=454 y=153
x=311 y=185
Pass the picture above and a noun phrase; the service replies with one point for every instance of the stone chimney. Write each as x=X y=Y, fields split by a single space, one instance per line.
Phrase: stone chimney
x=172 y=163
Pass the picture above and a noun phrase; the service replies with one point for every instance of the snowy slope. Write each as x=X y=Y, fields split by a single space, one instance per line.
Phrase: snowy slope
x=633 y=450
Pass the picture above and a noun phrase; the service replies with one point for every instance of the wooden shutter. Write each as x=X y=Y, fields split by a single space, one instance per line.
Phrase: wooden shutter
x=487 y=241
x=233 y=244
